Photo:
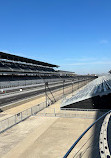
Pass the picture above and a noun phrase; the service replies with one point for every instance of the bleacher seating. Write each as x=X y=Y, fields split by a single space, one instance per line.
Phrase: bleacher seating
x=10 y=66
x=18 y=71
x=97 y=88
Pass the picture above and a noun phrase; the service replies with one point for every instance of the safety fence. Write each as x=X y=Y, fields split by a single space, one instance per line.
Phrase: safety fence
x=15 y=119
x=8 y=84
x=54 y=112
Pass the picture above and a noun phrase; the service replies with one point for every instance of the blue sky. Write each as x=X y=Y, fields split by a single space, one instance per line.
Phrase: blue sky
x=75 y=34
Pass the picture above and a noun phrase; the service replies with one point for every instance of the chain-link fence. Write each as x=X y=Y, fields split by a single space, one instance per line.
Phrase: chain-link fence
x=13 y=120
x=8 y=84
x=53 y=112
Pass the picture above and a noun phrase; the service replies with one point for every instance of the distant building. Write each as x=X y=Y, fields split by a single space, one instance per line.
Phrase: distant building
x=66 y=73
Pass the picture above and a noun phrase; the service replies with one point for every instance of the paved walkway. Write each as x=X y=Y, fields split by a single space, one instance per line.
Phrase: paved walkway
x=41 y=137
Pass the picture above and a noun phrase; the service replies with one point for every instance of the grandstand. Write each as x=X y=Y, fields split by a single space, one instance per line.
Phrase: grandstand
x=19 y=71
x=21 y=78
x=16 y=65
x=95 y=95
x=14 y=68
x=66 y=73
x=37 y=78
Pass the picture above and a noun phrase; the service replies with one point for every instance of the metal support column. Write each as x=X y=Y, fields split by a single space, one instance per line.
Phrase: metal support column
x=63 y=88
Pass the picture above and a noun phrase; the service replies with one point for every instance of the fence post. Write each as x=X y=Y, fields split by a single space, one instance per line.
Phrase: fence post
x=31 y=111
x=21 y=116
x=15 y=119
x=8 y=122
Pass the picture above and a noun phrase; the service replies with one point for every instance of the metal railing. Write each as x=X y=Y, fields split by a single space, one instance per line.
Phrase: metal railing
x=81 y=152
x=8 y=84
x=15 y=119
x=17 y=83
x=53 y=112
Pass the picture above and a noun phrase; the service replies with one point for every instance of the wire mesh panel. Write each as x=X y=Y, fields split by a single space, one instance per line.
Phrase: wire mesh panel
x=48 y=112
x=26 y=114
x=34 y=109
x=11 y=121
x=42 y=106
x=29 y=112
x=4 y=125
x=38 y=108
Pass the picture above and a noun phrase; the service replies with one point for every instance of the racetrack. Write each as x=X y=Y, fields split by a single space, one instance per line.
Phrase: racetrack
x=16 y=96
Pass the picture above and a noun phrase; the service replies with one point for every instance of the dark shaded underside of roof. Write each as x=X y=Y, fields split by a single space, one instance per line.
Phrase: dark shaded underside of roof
x=97 y=102
x=23 y=59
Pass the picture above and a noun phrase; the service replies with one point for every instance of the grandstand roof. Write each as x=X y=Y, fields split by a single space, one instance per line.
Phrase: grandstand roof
x=23 y=59
x=98 y=87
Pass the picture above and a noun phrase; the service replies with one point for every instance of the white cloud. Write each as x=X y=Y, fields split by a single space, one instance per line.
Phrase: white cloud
x=86 y=65
x=80 y=59
x=91 y=62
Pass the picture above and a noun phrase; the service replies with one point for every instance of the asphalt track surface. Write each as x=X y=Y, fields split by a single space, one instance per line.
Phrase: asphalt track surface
x=7 y=99
x=17 y=89
x=13 y=97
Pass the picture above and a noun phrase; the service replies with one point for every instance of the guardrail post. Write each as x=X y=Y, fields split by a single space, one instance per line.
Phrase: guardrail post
x=31 y=112
x=15 y=119
x=21 y=116
x=8 y=122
